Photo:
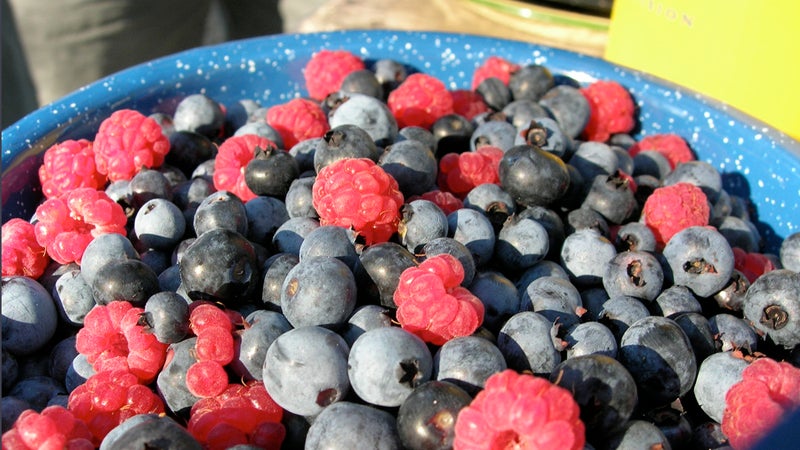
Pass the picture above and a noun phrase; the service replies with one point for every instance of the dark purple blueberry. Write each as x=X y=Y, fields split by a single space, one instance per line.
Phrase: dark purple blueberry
x=151 y=431
x=716 y=374
x=522 y=111
x=526 y=341
x=452 y=133
x=10 y=373
x=569 y=107
x=303 y=153
x=495 y=93
x=412 y=165
x=700 y=259
x=166 y=315
x=698 y=330
x=772 y=305
x=37 y=390
x=251 y=344
x=164 y=121
x=380 y=268
x=148 y=184
x=594 y=158
x=220 y=265
x=544 y=268
x=61 y=356
x=353 y=426
x=299 y=198
x=79 y=370
x=733 y=333
x=739 y=233
x=128 y=280
x=331 y=240
x=270 y=172
x=533 y=176
x=473 y=229
x=585 y=255
x=264 y=216
x=368 y=114
x=709 y=435
x=426 y=419
x=171 y=381
x=658 y=354
x=618 y=313
x=454 y=248
x=12 y=407
x=363 y=319
x=344 y=141
x=531 y=82
x=546 y=134
x=221 y=210
x=467 y=362
x=637 y=434
x=554 y=298
x=521 y=243
x=421 y=221
x=612 y=197
x=675 y=300
x=672 y=423
x=494 y=133
x=634 y=273
x=584 y=218
x=593 y=299
x=73 y=297
x=652 y=163
x=188 y=149
x=362 y=82
x=238 y=113
x=790 y=252
x=699 y=173
x=419 y=134
x=499 y=296
x=635 y=236
x=389 y=73
x=604 y=390
x=588 y=338
x=275 y=270
x=159 y=224
x=319 y=290
x=200 y=114
x=493 y=201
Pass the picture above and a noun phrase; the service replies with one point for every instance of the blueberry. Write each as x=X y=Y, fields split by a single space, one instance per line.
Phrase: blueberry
x=637 y=274
x=732 y=333
x=772 y=305
x=305 y=369
x=569 y=107
x=467 y=362
x=353 y=426
x=700 y=259
x=546 y=134
x=421 y=222
x=10 y=372
x=499 y=296
x=419 y=134
x=526 y=341
x=495 y=93
x=698 y=330
x=521 y=111
x=261 y=128
x=299 y=199
x=331 y=240
x=200 y=114
x=590 y=338
x=367 y=113
x=151 y=431
x=188 y=149
x=61 y=356
x=699 y=173
x=673 y=425
x=533 y=176
x=618 y=313
x=453 y=133
x=73 y=297
x=652 y=163
x=658 y=354
x=604 y=390
x=552 y=223
x=716 y=375
x=543 y=268
x=493 y=201
x=521 y=243
x=271 y=172
x=593 y=299
x=380 y=268
x=495 y=133
x=166 y=315
x=363 y=82
x=386 y=364
x=739 y=233
x=159 y=224
x=790 y=252
x=220 y=265
x=171 y=381
x=427 y=417
x=148 y=184
x=37 y=390
x=585 y=256
x=635 y=236
x=29 y=315
x=457 y=249
x=221 y=210
x=79 y=370
x=344 y=141
x=238 y=113
x=304 y=152
x=389 y=73
x=102 y=250
x=264 y=216
x=251 y=344
x=363 y=319
x=319 y=290
x=164 y=120
x=12 y=407
x=128 y=280
x=412 y=165
x=554 y=298
x=675 y=300
x=612 y=197
x=289 y=236
x=637 y=434
x=475 y=231
x=586 y=218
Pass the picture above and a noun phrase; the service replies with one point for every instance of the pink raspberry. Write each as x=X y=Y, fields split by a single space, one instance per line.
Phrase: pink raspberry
x=419 y=101
x=672 y=146
x=443 y=199
x=612 y=110
x=494 y=66
x=468 y=103
x=67 y=224
x=69 y=165
x=357 y=193
x=768 y=392
x=55 y=427
x=459 y=173
x=327 y=69
x=126 y=142
x=670 y=209
x=520 y=411
x=751 y=264
x=22 y=254
x=232 y=158
x=432 y=304
x=297 y=120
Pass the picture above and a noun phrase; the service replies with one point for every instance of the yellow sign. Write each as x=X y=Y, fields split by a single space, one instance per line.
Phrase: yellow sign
x=745 y=53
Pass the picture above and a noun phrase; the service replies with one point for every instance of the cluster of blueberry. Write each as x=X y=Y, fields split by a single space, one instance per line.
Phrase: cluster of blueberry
x=392 y=264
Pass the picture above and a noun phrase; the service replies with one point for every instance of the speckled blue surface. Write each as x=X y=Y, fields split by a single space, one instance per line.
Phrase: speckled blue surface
x=756 y=160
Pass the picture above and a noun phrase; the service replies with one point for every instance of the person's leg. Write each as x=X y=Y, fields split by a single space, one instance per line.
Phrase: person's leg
x=70 y=43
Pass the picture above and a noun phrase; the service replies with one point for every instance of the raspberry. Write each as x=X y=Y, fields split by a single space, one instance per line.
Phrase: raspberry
x=751 y=264
x=468 y=103
x=126 y=142
x=432 y=304
x=231 y=161
x=67 y=166
x=54 y=428
x=520 y=411
x=767 y=393
x=494 y=66
x=67 y=224
x=327 y=69
x=612 y=110
x=22 y=254
x=298 y=120
x=443 y=199
x=670 y=209
x=204 y=314
x=357 y=193
x=459 y=173
x=672 y=146
x=419 y=101
x=206 y=378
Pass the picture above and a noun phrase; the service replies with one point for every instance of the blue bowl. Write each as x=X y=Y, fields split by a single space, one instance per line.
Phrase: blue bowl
x=756 y=161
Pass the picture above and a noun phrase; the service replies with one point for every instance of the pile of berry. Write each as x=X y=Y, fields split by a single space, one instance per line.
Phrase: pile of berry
x=390 y=263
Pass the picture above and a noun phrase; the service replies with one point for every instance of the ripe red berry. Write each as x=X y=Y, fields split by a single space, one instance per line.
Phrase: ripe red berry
x=751 y=264
x=326 y=70
x=443 y=199
x=206 y=379
x=203 y=315
x=69 y=165
x=432 y=304
x=494 y=67
x=767 y=393
x=672 y=146
x=297 y=120
x=357 y=193
x=214 y=344
x=419 y=101
x=126 y=142
x=232 y=158
x=22 y=254
x=670 y=209
x=67 y=224
x=468 y=103
x=612 y=110
x=520 y=411
x=459 y=173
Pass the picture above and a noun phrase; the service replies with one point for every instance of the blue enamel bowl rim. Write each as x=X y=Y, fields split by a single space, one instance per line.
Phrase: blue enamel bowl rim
x=665 y=106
